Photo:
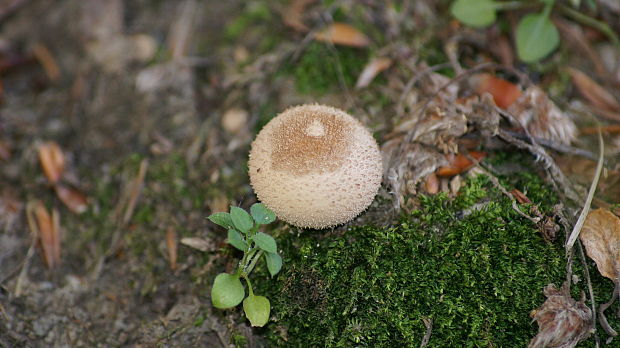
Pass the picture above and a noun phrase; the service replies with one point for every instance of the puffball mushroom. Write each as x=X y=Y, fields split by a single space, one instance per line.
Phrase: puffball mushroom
x=315 y=166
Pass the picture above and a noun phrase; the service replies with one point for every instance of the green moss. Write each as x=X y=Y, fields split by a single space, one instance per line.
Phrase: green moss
x=470 y=264
x=323 y=68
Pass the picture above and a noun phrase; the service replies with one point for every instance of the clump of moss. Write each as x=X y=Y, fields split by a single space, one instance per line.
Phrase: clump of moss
x=471 y=265
x=323 y=68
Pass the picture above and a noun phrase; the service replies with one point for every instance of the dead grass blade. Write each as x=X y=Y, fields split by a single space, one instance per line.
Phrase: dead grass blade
x=47 y=61
x=342 y=34
x=134 y=191
x=52 y=161
x=46 y=229
x=172 y=245
x=586 y=207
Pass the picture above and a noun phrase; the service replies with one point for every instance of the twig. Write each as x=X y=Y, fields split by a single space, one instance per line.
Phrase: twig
x=556 y=175
x=591 y=22
x=586 y=207
x=496 y=183
x=604 y=306
x=428 y=322
x=586 y=272
x=555 y=146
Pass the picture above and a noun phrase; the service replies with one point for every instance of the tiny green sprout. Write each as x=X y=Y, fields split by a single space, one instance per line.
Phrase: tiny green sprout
x=243 y=234
x=536 y=35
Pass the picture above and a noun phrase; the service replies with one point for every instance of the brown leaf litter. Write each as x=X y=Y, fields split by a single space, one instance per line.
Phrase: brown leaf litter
x=562 y=321
x=601 y=237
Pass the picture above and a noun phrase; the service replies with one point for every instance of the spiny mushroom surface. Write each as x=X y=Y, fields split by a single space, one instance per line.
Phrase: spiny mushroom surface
x=315 y=166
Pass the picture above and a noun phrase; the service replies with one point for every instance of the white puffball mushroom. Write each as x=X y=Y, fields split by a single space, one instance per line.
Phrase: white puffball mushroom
x=315 y=166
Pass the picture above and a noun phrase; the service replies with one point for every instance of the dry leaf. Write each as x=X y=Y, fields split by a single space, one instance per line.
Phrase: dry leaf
x=520 y=197
x=293 y=14
x=198 y=243
x=47 y=61
x=171 y=243
x=562 y=321
x=459 y=163
x=431 y=184
x=601 y=237
x=504 y=93
x=372 y=69
x=535 y=112
x=46 y=228
x=75 y=200
x=52 y=160
x=593 y=92
x=342 y=34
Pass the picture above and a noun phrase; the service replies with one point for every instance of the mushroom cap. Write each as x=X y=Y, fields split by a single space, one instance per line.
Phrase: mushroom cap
x=315 y=166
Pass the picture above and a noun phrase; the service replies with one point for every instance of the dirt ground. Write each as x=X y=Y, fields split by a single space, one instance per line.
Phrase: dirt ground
x=154 y=105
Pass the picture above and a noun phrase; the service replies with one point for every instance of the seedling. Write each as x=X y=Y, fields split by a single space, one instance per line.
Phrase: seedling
x=243 y=234
x=536 y=35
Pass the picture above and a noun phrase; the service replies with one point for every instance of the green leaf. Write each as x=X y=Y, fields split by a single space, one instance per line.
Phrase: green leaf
x=257 y=309
x=236 y=239
x=261 y=214
x=222 y=219
x=265 y=242
x=227 y=291
x=241 y=219
x=536 y=37
x=475 y=13
x=274 y=263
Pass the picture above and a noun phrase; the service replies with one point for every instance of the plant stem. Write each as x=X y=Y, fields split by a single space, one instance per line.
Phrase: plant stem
x=247 y=280
x=250 y=268
x=591 y=22
x=513 y=5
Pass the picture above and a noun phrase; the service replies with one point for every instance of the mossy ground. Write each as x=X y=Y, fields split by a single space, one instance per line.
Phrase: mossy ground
x=470 y=264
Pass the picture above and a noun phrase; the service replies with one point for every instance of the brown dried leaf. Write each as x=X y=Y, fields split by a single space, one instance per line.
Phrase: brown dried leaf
x=342 y=34
x=593 y=92
x=601 y=237
x=535 y=112
x=459 y=163
x=562 y=321
x=52 y=160
x=431 y=184
x=504 y=93
x=46 y=228
x=293 y=14
x=372 y=69
x=520 y=197
x=171 y=243
x=198 y=243
x=75 y=200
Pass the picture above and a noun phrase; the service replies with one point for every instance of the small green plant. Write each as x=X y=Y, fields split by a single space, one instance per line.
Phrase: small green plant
x=243 y=234
x=536 y=35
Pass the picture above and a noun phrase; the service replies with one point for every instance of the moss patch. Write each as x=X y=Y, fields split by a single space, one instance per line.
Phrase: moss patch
x=323 y=68
x=471 y=264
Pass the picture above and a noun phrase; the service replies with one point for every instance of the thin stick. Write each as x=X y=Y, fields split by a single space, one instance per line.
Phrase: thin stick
x=586 y=272
x=586 y=207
